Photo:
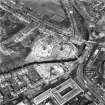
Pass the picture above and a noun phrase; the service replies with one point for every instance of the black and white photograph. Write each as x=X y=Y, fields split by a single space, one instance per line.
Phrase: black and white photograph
x=52 y=52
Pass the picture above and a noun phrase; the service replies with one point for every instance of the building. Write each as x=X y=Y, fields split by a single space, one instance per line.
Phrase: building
x=60 y=94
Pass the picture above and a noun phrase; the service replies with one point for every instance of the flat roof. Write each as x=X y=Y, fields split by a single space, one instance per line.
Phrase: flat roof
x=72 y=89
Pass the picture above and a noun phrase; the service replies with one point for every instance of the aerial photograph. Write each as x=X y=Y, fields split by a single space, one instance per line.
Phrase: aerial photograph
x=52 y=52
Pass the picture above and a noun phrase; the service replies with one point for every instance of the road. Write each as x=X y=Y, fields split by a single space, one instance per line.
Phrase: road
x=86 y=83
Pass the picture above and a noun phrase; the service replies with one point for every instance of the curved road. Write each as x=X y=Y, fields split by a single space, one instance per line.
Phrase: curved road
x=87 y=84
